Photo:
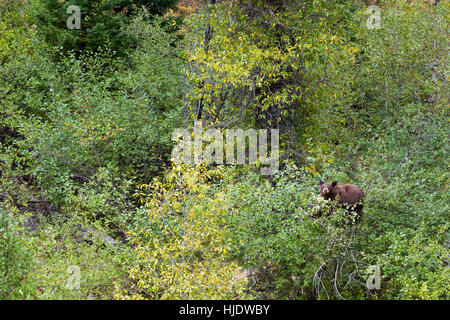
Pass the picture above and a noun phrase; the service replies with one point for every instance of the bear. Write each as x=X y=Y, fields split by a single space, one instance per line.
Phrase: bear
x=350 y=196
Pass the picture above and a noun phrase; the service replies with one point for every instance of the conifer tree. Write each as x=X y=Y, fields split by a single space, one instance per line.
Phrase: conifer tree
x=100 y=22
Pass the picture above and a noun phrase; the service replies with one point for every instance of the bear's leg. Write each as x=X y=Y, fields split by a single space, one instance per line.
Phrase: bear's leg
x=358 y=209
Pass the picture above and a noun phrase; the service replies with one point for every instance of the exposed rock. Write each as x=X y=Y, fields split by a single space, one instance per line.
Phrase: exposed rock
x=90 y=233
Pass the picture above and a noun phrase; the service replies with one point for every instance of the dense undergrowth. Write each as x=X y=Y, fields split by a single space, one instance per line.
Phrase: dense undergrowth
x=86 y=181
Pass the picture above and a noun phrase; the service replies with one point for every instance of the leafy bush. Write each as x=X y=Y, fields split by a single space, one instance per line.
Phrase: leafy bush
x=15 y=30
x=182 y=241
x=270 y=65
x=93 y=116
x=294 y=254
x=16 y=260
x=77 y=260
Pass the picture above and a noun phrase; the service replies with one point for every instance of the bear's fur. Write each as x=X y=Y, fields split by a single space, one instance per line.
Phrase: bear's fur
x=349 y=196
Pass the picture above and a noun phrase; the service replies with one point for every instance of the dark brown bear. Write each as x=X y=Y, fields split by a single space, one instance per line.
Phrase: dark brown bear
x=350 y=196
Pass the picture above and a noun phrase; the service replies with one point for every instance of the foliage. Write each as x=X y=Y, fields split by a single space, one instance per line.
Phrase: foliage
x=101 y=26
x=85 y=175
x=182 y=243
x=93 y=117
x=293 y=253
x=272 y=63
x=15 y=30
x=68 y=244
x=16 y=260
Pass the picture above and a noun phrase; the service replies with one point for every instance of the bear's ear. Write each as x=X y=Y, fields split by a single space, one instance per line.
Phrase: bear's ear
x=321 y=182
x=334 y=183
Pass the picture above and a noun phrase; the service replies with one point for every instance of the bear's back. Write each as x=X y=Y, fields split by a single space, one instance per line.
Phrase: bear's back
x=349 y=193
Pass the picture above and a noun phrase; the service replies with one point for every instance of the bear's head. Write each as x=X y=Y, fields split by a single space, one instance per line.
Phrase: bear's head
x=328 y=190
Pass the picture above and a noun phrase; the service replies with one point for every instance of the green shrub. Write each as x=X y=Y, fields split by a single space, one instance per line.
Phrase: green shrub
x=16 y=259
x=96 y=113
x=78 y=260
x=276 y=232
